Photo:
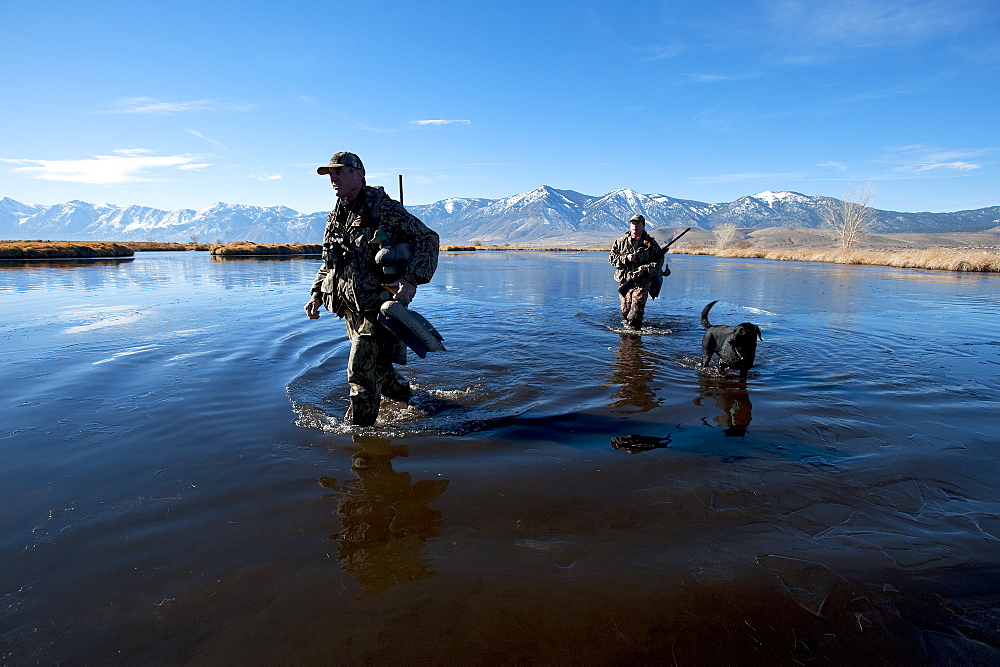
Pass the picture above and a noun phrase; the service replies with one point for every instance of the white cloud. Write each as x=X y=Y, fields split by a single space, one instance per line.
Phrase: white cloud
x=131 y=165
x=266 y=177
x=440 y=122
x=158 y=107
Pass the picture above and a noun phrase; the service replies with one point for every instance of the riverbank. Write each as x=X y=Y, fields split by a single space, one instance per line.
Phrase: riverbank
x=63 y=249
x=243 y=248
x=941 y=259
x=96 y=249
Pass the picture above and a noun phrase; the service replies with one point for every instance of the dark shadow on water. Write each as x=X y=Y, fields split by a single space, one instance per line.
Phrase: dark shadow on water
x=732 y=399
x=384 y=519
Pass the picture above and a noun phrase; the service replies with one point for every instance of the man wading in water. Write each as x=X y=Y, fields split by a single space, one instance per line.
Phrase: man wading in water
x=352 y=286
x=637 y=259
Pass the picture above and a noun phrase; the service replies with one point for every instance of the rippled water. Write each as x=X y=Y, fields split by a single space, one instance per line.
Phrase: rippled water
x=178 y=486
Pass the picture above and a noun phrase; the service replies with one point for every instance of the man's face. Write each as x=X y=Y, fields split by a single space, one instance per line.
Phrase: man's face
x=636 y=228
x=347 y=182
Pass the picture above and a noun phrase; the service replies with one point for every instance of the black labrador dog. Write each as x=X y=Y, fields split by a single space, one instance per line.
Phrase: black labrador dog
x=736 y=346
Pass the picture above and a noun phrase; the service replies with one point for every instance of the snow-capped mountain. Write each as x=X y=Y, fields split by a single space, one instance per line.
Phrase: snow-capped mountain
x=530 y=217
x=547 y=213
x=219 y=223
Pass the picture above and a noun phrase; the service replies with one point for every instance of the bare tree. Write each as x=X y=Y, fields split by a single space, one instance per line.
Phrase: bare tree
x=724 y=234
x=852 y=216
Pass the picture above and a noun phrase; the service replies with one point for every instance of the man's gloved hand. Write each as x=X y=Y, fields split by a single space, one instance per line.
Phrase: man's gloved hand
x=404 y=291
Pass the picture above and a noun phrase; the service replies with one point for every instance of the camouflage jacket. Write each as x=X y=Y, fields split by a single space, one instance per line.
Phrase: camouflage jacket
x=624 y=246
x=349 y=278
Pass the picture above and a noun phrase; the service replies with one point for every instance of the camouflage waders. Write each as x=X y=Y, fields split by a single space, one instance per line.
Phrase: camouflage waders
x=369 y=368
x=634 y=303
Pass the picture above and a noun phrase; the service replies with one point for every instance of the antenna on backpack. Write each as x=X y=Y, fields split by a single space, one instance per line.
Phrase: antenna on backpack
x=400 y=188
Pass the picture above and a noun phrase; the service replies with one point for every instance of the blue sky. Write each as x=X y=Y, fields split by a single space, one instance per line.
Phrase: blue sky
x=178 y=104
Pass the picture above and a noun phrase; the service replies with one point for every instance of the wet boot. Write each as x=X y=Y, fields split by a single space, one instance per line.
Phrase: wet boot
x=362 y=412
x=397 y=389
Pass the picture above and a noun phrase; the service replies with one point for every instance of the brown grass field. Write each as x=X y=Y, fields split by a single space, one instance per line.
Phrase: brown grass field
x=147 y=246
x=943 y=259
x=62 y=249
x=975 y=259
x=243 y=248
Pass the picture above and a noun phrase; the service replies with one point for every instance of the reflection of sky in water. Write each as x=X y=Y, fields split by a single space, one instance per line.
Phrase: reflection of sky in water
x=140 y=349
x=99 y=318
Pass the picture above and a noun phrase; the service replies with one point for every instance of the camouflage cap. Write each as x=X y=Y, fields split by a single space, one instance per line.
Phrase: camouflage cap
x=342 y=159
x=638 y=217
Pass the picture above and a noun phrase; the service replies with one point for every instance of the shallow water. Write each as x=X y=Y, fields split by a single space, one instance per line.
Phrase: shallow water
x=178 y=486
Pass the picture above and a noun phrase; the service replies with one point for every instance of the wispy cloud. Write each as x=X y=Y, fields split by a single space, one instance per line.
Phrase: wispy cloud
x=148 y=105
x=956 y=165
x=747 y=176
x=208 y=139
x=440 y=122
x=130 y=165
x=266 y=177
x=924 y=159
x=661 y=52
x=718 y=78
x=864 y=23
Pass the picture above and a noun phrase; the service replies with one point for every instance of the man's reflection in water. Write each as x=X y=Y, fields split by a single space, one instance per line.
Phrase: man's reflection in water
x=384 y=519
x=633 y=372
x=732 y=398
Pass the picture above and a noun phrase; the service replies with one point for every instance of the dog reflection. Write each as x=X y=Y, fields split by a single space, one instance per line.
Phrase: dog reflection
x=732 y=399
x=633 y=444
x=384 y=520
x=633 y=372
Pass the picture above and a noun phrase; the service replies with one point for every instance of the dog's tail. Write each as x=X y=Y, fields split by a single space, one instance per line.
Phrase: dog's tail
x=704 y=314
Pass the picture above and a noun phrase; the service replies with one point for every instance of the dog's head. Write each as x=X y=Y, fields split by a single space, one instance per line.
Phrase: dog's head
x=747 y=332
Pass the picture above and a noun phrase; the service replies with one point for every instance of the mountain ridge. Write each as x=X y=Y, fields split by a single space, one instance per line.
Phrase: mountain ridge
x=528 y=218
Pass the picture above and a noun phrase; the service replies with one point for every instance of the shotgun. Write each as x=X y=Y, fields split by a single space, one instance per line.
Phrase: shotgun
x=661 y=253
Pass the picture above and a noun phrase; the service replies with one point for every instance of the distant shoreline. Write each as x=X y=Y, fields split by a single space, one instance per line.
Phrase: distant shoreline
x=974 y=260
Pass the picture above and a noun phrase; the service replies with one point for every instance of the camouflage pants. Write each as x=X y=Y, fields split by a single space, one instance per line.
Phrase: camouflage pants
x=634 y=305
x=369 y=367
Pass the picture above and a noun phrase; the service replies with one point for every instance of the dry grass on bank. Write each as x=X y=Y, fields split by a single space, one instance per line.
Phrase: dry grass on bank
x=248 y=248
x=62 y=249
x=943 y=259
x=148 y=246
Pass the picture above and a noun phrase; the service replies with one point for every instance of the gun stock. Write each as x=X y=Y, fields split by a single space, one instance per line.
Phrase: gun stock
x=630 y=283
